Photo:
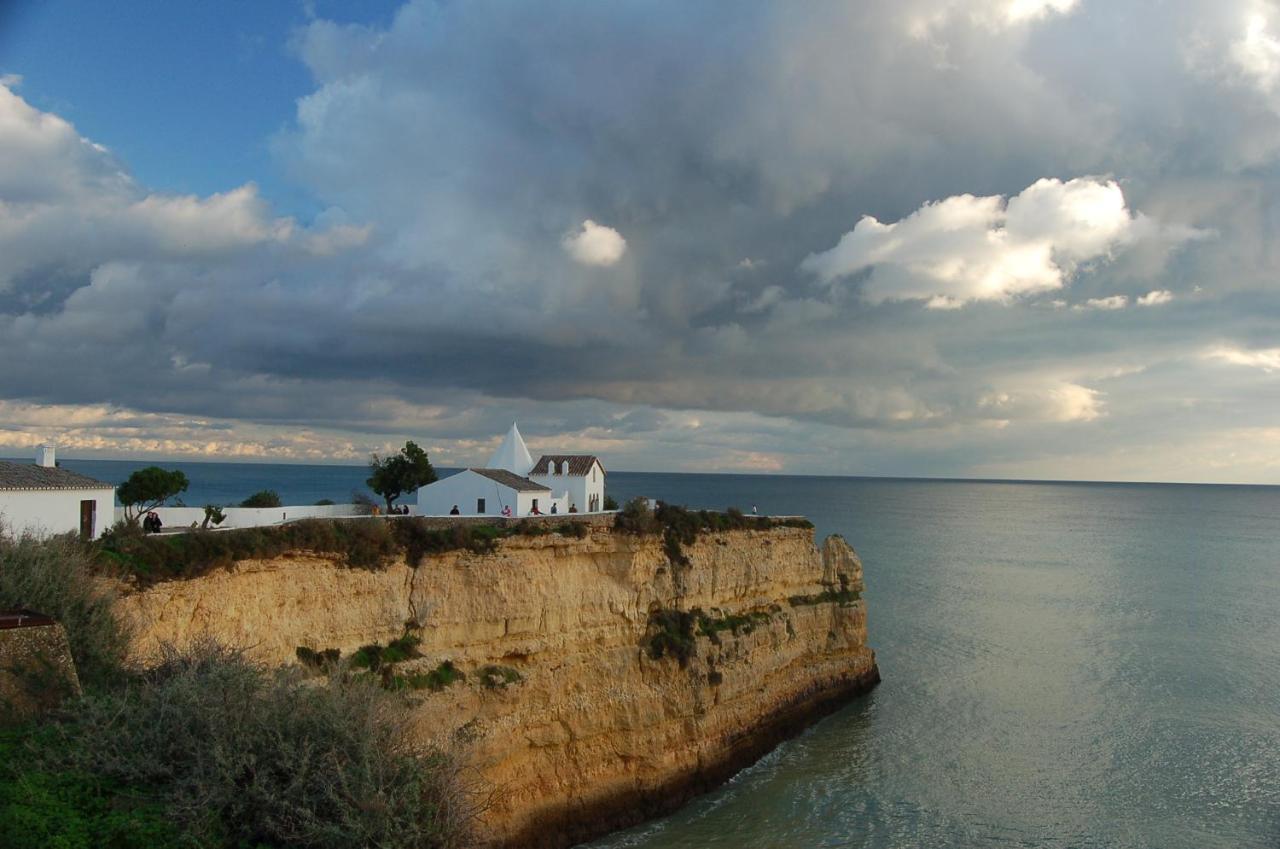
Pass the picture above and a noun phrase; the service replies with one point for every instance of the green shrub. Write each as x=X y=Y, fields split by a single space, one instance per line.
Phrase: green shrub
x=404 y=648
x=240 y=756
x=494 y=677
x=827 y=596
x=681 y=526
x=712 y=626
x=578 y=530
x=364 y=543
x=324 y=502
x=670 y=633
x=610 y=503
x=435 y=680
x=43 y=806
x=55 y=576
x=263 y=498
x=320 y=661
x=368 y=657
x=636 y=518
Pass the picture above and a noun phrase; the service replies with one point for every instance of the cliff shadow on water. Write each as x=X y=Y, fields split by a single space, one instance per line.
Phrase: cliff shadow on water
x=594 y=675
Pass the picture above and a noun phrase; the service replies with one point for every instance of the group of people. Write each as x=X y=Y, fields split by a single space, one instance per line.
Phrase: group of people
x=573 y=508
x=402 y=510
x=151 y=523
x=506 y=510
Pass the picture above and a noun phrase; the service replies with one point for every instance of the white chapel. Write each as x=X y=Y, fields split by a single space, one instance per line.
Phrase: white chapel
x=512 y=484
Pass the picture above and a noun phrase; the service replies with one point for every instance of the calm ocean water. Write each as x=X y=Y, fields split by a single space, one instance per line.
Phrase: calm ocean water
x=1065 y=665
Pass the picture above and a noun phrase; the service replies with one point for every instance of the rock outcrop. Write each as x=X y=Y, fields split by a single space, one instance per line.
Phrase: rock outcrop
x=604 y=683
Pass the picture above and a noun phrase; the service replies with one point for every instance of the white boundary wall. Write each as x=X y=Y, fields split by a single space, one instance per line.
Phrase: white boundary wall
x=175 y=518
x=55 y=511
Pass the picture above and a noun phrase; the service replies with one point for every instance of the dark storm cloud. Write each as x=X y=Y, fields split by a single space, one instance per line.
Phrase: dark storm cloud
x=721 y=159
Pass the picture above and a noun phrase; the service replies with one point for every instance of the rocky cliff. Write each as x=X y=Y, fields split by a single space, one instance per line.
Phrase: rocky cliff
x=604 y=682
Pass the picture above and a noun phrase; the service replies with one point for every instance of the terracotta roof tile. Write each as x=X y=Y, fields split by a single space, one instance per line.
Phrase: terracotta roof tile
x=31 y=476
x=579 y=464
x=511 y=480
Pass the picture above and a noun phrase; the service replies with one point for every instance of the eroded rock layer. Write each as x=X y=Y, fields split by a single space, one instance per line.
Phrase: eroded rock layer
x=604 y=683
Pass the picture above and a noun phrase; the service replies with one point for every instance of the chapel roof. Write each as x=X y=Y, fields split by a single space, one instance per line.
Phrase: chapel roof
x=512 y=454
x=511 y=480
x=579 y=464
x=31 y=476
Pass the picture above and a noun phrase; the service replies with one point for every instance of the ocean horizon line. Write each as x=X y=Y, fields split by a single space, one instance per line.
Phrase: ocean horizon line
x=729 y=473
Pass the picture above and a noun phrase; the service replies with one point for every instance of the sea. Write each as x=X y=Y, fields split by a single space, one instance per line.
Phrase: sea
x=1064 y=664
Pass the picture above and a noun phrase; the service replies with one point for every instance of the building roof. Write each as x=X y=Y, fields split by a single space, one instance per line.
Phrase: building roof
x=512 y=454
x=511 y=480
x=579 y=464
x=31 y=476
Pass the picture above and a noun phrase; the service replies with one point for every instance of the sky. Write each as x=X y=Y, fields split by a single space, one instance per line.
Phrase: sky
x=993 y=238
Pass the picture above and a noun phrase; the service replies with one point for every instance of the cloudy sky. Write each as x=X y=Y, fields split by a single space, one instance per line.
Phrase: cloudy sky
x=994 y=238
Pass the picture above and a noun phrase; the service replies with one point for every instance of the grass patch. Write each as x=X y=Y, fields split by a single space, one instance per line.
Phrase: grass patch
x=374 y=656
x=827 y=596
x=495 y=677
x=674 y=633
x=737 y=624
x=435 y=680
x=43 y=806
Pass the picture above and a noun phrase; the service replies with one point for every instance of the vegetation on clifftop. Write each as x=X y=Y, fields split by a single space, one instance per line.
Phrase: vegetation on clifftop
x=362 y=543
x=208 y=750
x=680 y=526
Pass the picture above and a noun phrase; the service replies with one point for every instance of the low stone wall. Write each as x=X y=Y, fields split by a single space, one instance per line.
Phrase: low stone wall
x=595 y=520
x=36 y=669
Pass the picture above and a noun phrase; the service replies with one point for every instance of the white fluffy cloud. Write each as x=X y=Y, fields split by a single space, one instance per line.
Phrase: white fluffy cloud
x=1154 y=298
x=1113 y=302
x=1256 y=53
x=595 y=244
x=967 y=248
x=1267 y=359
x=67 y=205
x=1058 y=402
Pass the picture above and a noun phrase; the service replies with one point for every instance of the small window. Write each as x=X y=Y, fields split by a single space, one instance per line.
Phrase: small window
x=479 y=505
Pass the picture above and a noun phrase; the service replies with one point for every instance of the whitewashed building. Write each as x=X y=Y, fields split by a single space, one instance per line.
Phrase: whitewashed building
x=484 y=492
x=42 y=499
x=511 y=479
x=576 y=480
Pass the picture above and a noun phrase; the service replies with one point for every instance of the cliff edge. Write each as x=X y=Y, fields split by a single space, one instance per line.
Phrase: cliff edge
x=603 y=680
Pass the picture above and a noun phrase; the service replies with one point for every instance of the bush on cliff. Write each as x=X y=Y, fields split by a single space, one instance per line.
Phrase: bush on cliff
x=42 y=807
x=681 y=526
x=237 y=755
x=363 y=543
x=55 y=577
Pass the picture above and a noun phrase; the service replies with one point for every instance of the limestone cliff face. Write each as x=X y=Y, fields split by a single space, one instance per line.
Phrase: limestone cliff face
x=591 y=731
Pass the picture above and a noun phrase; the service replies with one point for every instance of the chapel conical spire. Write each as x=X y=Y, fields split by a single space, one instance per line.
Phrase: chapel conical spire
x=512 y=454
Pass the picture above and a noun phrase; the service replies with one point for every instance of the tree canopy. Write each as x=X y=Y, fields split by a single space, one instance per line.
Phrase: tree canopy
x=263 y=498
x=146 y=489
x=397 y=474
